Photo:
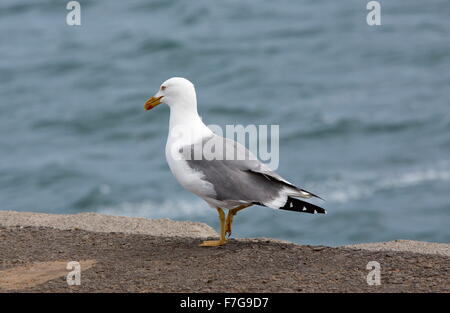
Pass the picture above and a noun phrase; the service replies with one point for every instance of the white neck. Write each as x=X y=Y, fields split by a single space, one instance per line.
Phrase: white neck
x=184 y=119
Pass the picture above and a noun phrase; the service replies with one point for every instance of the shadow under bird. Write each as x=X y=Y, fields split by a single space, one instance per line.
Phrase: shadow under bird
x=224 y=182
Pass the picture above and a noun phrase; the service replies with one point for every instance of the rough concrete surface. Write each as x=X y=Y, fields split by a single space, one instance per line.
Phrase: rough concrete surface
x=406 y=246
x=108 y=223
x=34 y=259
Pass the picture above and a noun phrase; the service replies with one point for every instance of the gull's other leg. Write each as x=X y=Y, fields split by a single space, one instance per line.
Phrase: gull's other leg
x=230 y=216
x=222 y=240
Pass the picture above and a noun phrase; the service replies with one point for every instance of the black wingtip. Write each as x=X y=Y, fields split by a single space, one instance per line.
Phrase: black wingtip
x=296 y=205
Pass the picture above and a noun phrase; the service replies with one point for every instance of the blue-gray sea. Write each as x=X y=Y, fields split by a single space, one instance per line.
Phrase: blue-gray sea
x=364 y=111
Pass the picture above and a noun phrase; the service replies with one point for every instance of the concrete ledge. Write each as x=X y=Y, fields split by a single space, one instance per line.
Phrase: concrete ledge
x=168 y=228
x=122 y=254
x=406 y=246
x=108 y=224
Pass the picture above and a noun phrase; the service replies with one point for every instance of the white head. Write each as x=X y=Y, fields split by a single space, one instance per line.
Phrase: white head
x=176 y=92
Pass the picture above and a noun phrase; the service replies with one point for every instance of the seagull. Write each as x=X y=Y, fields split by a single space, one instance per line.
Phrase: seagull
x=219 y=170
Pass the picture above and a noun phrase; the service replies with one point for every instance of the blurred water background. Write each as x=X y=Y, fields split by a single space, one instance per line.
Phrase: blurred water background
x=364 y=112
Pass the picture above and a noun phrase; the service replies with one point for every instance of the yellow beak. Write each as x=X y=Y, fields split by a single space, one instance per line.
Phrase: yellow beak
x=152 y=102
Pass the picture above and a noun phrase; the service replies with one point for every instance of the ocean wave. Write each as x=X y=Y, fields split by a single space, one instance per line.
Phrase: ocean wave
x=152 y=6
x=158 y=45
x=175 y=209
x=347 y=126
x=17 y=8
x=346 y=190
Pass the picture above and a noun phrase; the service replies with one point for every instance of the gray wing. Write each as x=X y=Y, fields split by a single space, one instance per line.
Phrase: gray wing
x=235 y=172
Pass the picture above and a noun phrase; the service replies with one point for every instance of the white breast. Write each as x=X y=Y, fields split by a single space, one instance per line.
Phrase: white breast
x=190 y=179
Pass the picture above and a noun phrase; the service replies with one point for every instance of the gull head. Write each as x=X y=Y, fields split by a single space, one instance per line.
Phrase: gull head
x=176 y=92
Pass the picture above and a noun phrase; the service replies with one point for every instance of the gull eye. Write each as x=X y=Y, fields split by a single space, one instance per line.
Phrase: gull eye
x=163 y=87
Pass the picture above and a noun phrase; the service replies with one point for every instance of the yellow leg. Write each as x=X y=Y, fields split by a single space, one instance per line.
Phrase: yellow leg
x=222 y=240
x=230 y=216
